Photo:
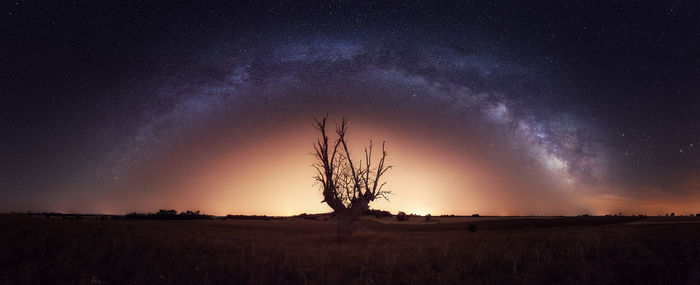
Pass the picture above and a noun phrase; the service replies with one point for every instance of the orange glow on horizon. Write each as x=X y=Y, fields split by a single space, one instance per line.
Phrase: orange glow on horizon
x=269 y=173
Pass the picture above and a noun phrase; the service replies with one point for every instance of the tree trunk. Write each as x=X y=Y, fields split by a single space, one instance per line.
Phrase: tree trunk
x=347 y=216
x=344 y=224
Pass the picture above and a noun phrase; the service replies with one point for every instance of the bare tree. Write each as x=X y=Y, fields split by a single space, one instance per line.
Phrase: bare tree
x=348 y=188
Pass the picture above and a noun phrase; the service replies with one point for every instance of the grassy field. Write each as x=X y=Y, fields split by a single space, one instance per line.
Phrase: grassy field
x=585 y=250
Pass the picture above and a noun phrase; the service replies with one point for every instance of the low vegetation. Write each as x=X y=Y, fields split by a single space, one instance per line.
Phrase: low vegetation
x=249 y=217
x=169 y=215
x=580 y=250
x=378 y=213
x=401 y=217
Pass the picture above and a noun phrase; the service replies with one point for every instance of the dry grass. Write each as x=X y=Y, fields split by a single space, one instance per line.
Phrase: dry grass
x=35 y=250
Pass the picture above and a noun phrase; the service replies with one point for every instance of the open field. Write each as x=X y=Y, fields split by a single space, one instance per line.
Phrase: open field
x=588 y=250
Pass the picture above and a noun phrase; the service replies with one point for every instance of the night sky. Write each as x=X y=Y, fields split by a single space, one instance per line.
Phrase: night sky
x=490 y=107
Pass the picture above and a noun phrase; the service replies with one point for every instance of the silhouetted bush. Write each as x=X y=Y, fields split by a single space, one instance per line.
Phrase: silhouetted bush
x=401 y=216
x=136 y=216
x=428 y=218
x=673 y=214
x=471 y=228
x=162 y=213
x=189 y=215
x=168 y=215
x=247 y=217
x=378 y=213
x=475 y=215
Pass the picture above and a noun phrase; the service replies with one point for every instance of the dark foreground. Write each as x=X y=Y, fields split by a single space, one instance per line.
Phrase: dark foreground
x=597 y=250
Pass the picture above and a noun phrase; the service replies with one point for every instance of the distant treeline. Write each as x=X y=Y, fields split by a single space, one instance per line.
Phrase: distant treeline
x=196 y=215
x=250 y=217
x=67 y=216
x=169 y=215
x=325 y=216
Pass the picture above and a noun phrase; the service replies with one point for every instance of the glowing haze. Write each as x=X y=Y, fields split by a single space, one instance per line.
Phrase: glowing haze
x=217 y=118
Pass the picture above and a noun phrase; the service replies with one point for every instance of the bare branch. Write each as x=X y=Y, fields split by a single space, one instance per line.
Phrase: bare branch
x=347 y=187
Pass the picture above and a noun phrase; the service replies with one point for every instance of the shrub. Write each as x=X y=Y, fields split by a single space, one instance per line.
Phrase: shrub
x=247 y=217
x=163 y=213
x=401 y=216
x=377 y=213
x=428 y=218
x=475 y=215
x=168 y=215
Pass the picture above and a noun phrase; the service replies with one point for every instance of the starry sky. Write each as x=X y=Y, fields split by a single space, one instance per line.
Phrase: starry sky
x=490 y=107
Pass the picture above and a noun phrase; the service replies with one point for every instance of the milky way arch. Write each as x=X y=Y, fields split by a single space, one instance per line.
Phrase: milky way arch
x=476 y=98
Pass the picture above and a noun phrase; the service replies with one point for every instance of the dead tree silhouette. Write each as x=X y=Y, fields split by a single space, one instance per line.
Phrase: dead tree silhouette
x=348 y=188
